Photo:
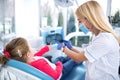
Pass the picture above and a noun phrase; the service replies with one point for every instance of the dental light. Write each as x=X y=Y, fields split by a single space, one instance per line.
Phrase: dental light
x=64 y=3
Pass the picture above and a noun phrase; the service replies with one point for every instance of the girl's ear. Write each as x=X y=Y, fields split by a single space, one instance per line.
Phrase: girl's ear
x=28 y=54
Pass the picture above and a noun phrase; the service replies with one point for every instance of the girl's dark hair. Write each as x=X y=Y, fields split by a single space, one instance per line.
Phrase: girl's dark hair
x=17 y=48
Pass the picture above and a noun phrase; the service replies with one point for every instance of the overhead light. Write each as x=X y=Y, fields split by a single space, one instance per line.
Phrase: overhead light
x=64 y=3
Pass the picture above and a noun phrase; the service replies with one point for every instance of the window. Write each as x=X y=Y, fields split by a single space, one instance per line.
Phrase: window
x=7 y=16
x=6 y=21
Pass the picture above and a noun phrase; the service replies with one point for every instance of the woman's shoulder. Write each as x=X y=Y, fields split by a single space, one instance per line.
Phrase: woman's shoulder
x=104 y=36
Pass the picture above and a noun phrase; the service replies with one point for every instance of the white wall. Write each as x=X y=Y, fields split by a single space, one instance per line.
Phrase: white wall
x=27 y=18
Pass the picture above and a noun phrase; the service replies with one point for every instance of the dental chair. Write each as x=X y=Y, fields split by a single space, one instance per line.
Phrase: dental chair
x=16 y=70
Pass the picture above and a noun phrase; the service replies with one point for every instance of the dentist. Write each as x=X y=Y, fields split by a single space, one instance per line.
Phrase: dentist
x=102 y=53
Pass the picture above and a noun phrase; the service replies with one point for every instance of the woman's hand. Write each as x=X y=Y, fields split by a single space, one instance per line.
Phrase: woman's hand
x=68 y=44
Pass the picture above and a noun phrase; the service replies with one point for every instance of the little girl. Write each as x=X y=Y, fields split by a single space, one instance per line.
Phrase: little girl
x=20 y=49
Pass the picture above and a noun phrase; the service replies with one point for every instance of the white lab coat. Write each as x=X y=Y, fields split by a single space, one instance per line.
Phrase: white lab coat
x=103 y=58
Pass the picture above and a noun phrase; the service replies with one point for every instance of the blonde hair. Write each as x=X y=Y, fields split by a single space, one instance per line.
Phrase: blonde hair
x=93 y=12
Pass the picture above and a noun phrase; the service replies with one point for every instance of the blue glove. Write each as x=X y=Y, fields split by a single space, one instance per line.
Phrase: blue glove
x=68 y=44
x=60 y=45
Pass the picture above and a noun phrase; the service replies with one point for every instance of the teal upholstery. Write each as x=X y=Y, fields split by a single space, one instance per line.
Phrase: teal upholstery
x=29 y=69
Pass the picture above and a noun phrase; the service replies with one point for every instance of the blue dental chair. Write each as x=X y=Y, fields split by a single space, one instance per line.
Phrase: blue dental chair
x=16 y=70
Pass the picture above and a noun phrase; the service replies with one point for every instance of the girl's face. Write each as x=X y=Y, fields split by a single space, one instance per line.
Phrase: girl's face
x=30 y=54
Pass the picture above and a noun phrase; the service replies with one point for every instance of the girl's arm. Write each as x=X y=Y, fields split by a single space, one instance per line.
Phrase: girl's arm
x=42 y=51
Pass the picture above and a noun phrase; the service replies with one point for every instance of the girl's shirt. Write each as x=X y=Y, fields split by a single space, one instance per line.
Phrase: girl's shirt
x=41 y=63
